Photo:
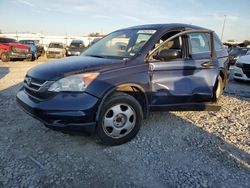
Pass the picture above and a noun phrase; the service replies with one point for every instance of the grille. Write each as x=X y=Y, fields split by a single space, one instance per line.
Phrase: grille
x=246 y=69
x=39 y=95
x=21 y=50
x=33 y=84
x=53 y=53
x=37 y=88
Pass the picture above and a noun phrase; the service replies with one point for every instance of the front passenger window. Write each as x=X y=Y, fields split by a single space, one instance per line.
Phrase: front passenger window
x=170 y=50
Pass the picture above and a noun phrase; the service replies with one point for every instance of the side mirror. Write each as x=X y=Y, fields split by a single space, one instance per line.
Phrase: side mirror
x=167 y=55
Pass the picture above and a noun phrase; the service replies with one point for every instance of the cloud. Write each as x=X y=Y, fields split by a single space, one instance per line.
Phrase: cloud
x=135 y=19
x=24 y=2
x=102 y=17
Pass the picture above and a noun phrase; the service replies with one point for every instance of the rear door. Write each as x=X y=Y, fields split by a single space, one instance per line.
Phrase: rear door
x=188 y=78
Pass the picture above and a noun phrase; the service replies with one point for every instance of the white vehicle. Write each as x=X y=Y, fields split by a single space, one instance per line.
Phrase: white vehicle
x=242 y=68
x=56 y=50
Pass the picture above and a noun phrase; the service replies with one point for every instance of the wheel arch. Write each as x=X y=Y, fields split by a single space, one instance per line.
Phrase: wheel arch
x=135 y=90
x=224 y=75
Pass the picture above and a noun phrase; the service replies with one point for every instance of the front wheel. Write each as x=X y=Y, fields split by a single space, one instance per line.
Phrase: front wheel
x=5 y=57
x=119 y=120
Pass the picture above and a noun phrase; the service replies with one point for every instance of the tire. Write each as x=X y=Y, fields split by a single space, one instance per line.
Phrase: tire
x=34 y=57
x=218 y=89
x=5 y=57
x=120 y=119
x=29 y=59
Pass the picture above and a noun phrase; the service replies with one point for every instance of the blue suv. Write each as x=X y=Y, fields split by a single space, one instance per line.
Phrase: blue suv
x=116 y=82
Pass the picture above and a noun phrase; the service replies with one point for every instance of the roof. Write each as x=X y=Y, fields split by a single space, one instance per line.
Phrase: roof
x=165 y=26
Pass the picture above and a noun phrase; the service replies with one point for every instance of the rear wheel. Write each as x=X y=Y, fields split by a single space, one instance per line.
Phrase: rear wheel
x=5 y=57
x=120 y=119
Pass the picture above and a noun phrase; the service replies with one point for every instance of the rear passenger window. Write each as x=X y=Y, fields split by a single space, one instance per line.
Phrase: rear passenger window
x=217 y=43
x=199 y=43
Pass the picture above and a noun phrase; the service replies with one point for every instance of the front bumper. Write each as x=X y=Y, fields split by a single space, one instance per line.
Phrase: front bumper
x=16 y=55
x=63 y=111
x=239 y=74
x=52 y=54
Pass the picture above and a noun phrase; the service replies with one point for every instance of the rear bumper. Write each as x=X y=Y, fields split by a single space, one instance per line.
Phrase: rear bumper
x=64 y=111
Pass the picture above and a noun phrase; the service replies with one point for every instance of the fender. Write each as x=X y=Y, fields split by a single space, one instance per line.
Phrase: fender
x=107 y=94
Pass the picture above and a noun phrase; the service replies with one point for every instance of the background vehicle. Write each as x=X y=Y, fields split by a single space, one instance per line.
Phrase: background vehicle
x=36 y=48
x=56 y=50
x=242 y=68
x=10 y=49
x=236 y=53
x=75 y=48
x=115 y=83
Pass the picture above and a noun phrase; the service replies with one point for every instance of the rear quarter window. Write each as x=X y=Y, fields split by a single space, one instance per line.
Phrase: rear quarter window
x=217 y=43
x=199 y=45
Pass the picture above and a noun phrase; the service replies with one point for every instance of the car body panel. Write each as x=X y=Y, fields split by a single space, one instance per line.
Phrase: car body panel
x=62 y=110
x=36 y=48
x=75 y=48
x=182 y=81
x=54 y=52
x=236 y=53
x=242 y=72
x=55 y=70
x=15 y=50
x=186 y=82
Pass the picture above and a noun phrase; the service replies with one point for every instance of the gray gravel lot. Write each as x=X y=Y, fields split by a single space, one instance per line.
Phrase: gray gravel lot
x=173 y=149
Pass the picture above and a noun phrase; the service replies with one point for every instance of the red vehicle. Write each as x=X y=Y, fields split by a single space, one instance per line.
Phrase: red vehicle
x=10 y=49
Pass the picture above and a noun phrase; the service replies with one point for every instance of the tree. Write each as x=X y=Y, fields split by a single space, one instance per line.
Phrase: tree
x=246 y=43
x=94 y=34
x=0 y=31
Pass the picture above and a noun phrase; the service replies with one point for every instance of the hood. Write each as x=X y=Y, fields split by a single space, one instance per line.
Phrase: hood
x=32 y=47
x=244 y=59
x=57 y=69
x=17 y=45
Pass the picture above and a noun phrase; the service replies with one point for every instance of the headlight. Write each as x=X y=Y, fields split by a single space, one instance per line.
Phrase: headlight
x=13 y=49
x=238 y=64
x=236 y=58
x=75 y=83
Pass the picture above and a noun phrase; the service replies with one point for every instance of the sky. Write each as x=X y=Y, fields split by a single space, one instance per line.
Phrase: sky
x=81 y=17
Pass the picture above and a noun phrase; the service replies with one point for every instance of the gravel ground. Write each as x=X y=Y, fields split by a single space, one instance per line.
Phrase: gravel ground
x=175 y=149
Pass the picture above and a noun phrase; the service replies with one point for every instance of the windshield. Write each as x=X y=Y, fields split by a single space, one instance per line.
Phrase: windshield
x=120 y=44
x=55 y=45
x=27 y=42
x=7 y=40
x=76 y=44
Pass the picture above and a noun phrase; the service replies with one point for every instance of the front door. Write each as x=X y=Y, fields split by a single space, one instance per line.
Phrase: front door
x=186 y=77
